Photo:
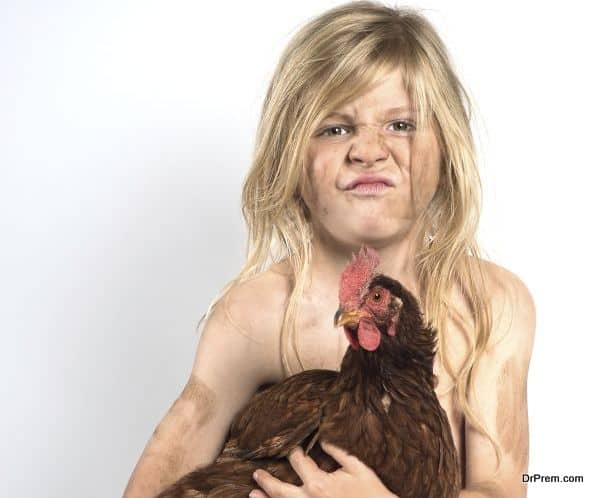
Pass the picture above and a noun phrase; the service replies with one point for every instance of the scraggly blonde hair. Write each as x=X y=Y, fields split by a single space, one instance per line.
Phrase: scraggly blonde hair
x=330 y=61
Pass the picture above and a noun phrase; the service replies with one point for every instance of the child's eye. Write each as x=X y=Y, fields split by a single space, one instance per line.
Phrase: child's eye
x=403 y=126
x=335 y=130
x=339 y=130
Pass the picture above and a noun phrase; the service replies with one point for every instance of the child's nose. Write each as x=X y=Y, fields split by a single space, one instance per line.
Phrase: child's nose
x=368 y=146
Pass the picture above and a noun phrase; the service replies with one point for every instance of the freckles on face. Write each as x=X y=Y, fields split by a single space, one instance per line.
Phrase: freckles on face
x=321 y=185
x=414 y=165
x=365 y=140
x=423 y=170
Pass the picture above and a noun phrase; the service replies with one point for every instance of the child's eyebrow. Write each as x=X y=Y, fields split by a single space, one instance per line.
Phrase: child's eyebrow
x=385 y=114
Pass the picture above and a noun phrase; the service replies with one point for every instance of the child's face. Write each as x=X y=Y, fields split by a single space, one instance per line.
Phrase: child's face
x=371 y=141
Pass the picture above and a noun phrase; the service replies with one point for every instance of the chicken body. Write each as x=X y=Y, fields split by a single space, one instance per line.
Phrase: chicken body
x=381 y=407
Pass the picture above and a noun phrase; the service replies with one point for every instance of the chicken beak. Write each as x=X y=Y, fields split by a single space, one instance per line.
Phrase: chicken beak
x=346 y=317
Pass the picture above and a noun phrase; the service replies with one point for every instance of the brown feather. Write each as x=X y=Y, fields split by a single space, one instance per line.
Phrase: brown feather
x=406 y=440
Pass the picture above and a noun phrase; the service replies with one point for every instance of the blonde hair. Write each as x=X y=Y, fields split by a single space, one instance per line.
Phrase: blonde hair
x=331 y=60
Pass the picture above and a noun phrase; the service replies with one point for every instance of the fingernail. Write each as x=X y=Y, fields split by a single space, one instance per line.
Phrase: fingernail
x=255 y=475
x=253 y=494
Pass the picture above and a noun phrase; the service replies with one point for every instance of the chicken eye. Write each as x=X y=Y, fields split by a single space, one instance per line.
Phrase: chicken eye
x=377 y=296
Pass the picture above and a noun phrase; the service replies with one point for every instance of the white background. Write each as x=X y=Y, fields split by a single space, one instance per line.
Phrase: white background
x=126 y=128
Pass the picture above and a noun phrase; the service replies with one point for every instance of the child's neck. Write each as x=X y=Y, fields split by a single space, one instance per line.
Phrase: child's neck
x=330 y=257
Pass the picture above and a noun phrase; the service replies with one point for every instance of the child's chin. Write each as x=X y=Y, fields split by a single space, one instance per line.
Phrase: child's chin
x=378 y=236
x=375 y=232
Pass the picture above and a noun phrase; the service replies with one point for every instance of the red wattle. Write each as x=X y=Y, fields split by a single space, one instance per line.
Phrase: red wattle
x=368 y=335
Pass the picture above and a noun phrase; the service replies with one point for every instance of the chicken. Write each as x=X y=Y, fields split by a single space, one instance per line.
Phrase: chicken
x=381 y=406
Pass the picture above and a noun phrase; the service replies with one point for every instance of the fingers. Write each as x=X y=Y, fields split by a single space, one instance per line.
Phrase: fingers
x=257 y=493
x=304 y=465
x=274 y=487
x=349 y=462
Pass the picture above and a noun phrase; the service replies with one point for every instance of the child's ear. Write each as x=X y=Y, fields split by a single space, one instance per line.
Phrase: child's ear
x=301 y=189
x=302 y=192
x=299 y=196
x=303 y=205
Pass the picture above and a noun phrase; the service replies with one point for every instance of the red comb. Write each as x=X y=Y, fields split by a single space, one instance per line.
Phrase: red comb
x=357 y=273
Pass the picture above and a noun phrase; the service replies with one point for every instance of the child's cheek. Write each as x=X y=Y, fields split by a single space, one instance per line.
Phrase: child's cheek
x=321 y=187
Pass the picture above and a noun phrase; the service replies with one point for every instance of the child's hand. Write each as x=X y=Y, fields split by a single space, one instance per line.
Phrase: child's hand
x=353 y=479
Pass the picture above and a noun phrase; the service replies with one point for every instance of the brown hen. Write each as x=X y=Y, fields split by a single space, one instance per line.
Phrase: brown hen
x=381 y=406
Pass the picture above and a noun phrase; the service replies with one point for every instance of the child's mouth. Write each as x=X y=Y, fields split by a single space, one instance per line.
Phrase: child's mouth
x=369 y=188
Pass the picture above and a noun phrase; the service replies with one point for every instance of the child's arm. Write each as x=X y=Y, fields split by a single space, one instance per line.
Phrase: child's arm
x=236 y=354
x=499 y=393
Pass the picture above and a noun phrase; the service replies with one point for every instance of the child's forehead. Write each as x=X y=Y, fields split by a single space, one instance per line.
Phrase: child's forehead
x=383 y=97
x=380 y=113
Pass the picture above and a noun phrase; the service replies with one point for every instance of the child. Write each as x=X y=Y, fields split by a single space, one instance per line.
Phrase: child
x=364 y=138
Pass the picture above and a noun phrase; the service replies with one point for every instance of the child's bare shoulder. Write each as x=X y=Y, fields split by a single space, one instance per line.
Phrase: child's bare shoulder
x=512 y=305
x=503 y=284
x=257 y=305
